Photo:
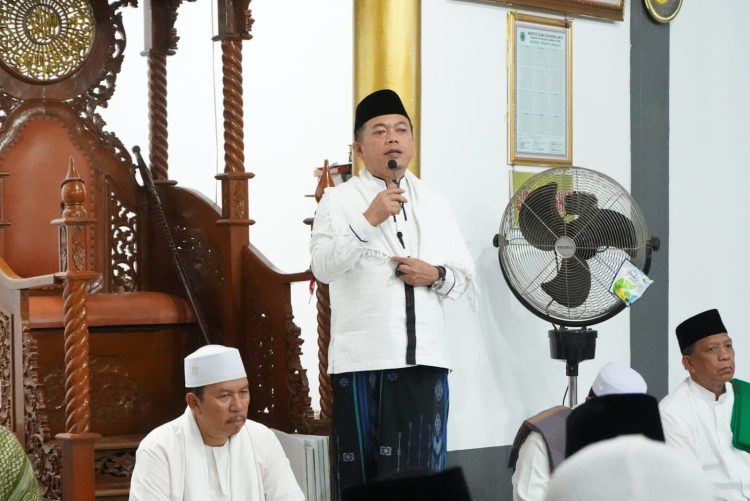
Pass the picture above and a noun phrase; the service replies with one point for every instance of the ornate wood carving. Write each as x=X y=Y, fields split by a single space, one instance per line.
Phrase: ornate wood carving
x=239 y=200
x=116 y=464
x=124 y=250
x=300 y=411
x=6 y=369
x=199 y=256
x=98 y=95
x=272 y=348
x=45 y=41
x=7 y=104
x=260 y=363
x=235 y=19
x=115 y=395
x=89 y=87
x=44 y=457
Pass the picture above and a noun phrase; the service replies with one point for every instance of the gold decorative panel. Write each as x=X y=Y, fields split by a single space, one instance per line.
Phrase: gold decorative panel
x=45 y=40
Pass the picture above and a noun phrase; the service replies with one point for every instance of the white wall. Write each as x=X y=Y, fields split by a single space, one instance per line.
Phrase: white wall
x=298 y=111
x=708 y=199
x=503 y=371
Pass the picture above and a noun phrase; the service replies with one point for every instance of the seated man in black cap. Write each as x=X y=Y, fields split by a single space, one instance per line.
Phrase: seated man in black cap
x=611 y=416
x=539 y=446
x=697 y=415
x=392 y=253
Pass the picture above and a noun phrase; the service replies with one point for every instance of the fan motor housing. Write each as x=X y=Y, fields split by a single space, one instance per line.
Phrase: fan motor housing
x=572 y=345
x=565 y=247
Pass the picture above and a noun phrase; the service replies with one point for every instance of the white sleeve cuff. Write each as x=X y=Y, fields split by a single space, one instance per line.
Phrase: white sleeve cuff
x=450 y=281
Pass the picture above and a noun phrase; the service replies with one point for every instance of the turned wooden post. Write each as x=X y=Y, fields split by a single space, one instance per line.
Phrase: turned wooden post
x=161 y=41
x=234 y=27
x=324 y=317
x=75 y=274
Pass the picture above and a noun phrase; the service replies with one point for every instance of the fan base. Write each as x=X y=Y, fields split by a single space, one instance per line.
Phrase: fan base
x=573 y=346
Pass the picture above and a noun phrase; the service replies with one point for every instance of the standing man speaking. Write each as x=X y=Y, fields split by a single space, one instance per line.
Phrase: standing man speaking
x=392 y=252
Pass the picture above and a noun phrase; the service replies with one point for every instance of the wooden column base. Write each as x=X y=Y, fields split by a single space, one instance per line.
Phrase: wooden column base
x=78 y=466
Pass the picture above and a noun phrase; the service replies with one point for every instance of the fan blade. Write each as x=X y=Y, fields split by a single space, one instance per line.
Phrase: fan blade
x=538 y=218
x=582 y=204
x=585 y=207
x=608 y=229
x=571 y=285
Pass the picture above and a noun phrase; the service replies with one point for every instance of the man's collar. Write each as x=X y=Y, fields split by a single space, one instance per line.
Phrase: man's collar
x=369 y=176
x=706 y=394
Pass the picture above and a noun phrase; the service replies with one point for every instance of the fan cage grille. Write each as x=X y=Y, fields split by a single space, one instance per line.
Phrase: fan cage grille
x=526 y=267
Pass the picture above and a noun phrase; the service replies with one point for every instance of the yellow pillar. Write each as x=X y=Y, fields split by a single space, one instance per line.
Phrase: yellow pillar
x=387 y=55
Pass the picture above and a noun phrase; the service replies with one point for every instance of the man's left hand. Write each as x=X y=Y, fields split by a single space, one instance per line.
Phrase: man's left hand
x=415 y=271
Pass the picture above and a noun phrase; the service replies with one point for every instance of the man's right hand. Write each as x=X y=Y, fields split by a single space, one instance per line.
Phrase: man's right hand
x=385 y=204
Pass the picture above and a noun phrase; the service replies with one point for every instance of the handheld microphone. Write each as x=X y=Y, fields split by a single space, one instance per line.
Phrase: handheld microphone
x=393 y=166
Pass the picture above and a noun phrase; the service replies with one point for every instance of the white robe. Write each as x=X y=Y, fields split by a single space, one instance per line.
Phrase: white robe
x=532 y=469
x=699 y=425
x=171 y=465
x=368 y=312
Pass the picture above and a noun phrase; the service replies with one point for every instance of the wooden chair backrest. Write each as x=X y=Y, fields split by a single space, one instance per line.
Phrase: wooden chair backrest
x=36 y=142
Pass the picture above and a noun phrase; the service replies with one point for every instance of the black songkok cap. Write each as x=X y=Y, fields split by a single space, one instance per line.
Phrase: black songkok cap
x=380 y=102
x=701 y=325
x=610 y=416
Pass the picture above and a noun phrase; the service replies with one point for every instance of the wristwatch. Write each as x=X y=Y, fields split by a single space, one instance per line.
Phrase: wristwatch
x=438 y=284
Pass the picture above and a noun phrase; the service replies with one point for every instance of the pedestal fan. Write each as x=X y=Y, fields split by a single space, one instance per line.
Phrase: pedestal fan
x=563 y=237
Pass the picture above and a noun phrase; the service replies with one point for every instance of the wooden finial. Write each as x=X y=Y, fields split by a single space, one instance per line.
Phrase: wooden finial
x=73 y=192
x=326 y=181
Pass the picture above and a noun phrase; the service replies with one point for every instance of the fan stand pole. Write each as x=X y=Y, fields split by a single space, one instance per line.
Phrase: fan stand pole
x=573 y=346
x=571 y=370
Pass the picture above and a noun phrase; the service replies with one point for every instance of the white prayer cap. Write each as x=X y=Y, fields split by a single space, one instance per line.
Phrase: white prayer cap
x=211 y=364
x=616 y=378
x=629 y=468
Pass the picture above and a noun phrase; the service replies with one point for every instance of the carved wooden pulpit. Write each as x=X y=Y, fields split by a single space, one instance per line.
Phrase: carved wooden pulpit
x=94 y=324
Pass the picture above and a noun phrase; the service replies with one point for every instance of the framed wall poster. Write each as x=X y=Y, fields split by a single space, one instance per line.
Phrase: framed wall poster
x=539 y=91
x=605 y=9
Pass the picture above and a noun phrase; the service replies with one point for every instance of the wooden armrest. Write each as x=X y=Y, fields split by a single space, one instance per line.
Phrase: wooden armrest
x=103 y=309
x=279 y=276
x=9 y=279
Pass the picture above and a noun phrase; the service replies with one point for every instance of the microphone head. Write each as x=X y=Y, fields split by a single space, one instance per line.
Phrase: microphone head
x=392 y=164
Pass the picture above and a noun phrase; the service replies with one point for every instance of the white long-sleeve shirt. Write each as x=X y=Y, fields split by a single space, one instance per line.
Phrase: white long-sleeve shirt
x=368 y=305
x=173 y=464
x=697 y=423
x=531 y=477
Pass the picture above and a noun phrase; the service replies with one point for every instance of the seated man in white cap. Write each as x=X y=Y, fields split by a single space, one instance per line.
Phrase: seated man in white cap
x=699 y=416
x=212 y=452
x=539 y=446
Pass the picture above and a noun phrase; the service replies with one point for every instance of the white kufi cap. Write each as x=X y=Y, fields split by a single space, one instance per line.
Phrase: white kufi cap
x=211 y=364
x=616 y=379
